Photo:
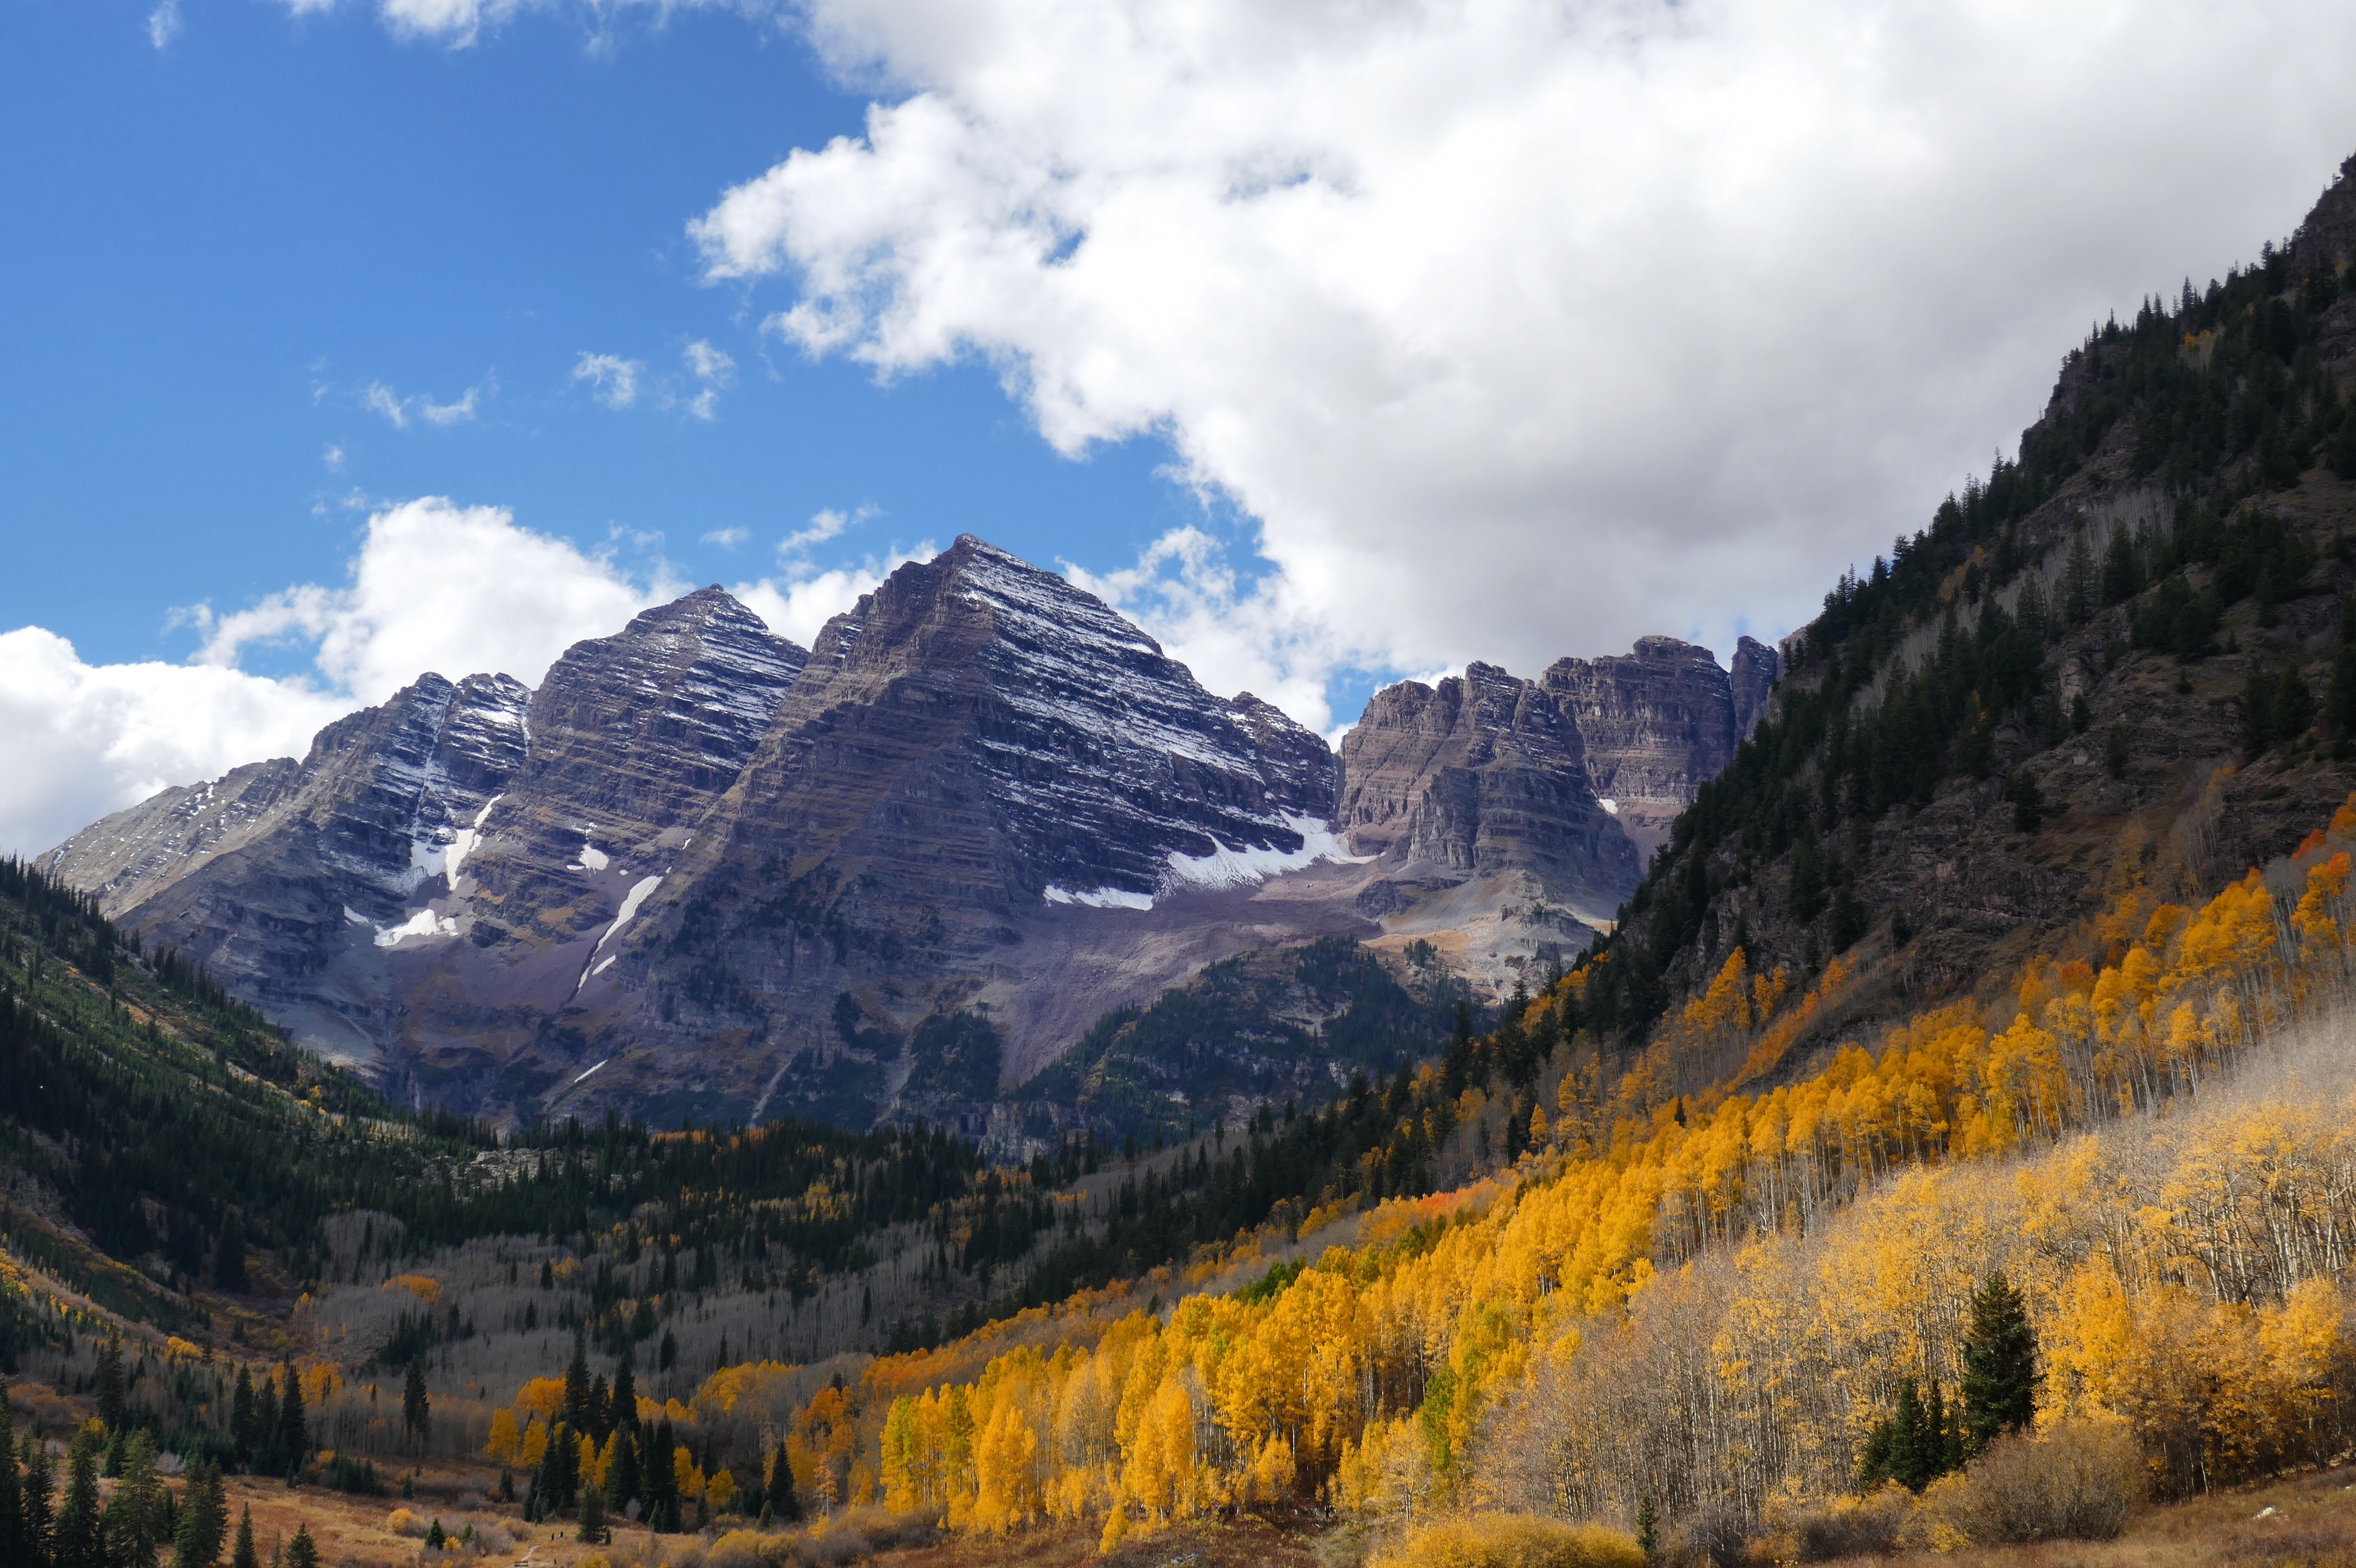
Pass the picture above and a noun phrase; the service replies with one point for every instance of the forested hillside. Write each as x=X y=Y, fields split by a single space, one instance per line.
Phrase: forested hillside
x=2131 y=639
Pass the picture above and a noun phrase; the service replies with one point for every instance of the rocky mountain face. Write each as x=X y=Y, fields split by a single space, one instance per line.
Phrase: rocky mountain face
x=1658 y=723
x=700 y=871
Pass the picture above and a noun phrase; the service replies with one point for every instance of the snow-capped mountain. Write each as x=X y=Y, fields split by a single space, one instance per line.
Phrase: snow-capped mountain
x=699 y=870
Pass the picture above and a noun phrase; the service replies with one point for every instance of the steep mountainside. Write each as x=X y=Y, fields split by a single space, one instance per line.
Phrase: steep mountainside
x=2133 y=639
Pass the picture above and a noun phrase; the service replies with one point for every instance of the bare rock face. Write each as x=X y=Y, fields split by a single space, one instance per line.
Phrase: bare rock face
x=284 y=868
x=1658 y=723
x=979 y=758
x=1480 y=775
x=397 y=897
x=1757 y=668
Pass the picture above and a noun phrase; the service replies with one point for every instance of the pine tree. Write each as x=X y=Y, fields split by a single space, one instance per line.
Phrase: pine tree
x=627 y=1480
x=36 y=1499
x=2000 y=1372
x=1648 y=1526
x=576 y=1412
x=134 y=1515
x=592 y=1527
x=294 y=1435
x=110 y=1383
x=784 y=1501
x=80 y=1539
x=301 y=1552
x=243 y=1554
x=416 y=1410
x=204 y=1520
x=12 y=1522
x=662 y=1481
x=2078 y=581
x=244 y=1430
x=624 y=1401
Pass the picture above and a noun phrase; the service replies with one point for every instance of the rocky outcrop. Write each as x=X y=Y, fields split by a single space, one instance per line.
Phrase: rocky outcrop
x=1757 y=668
x=1658 y=723
x=1478 y=774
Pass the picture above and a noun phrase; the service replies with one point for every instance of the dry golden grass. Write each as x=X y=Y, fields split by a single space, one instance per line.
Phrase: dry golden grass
x=2312 y=1525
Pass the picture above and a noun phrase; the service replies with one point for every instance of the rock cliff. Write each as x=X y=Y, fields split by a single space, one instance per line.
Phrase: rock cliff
x=1658 y=723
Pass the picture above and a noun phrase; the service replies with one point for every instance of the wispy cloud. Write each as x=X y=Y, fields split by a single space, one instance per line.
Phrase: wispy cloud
x=163 y=24
x=397 y=411
x=714 y=369
x=334 y=459
x=829 y=523
x=612 y=380
x=728 y=538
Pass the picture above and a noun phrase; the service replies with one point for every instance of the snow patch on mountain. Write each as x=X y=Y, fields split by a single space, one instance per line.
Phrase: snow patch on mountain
x=1224 y=867
x=1101 y=898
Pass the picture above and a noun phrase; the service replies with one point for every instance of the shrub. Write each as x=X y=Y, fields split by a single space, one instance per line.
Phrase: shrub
x=1847 y=1527
x=401 y=1522
x=1714 y=1538
x=2075 y=1482
x=1512 y=1540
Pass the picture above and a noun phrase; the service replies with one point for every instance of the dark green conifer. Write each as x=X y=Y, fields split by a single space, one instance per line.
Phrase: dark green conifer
x=2000 y=1371
x=80 y=1539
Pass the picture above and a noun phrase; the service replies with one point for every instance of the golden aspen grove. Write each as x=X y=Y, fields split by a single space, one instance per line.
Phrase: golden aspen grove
x=1686 y=1302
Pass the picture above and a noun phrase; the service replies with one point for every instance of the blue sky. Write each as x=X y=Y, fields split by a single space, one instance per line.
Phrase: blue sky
x=1333 y=343
x=241 y=232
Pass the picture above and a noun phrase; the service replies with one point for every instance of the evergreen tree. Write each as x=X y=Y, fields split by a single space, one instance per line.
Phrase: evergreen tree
x=245 y=1431
x=110 y=1383
x=2078 y=581
x=37 y=1500
x=80 y=1537
x=627 y=1480
x=301 y=1552
x=592 y=1529
x=576 y=1411
x=12 y=1524
x=204 y=1520
x=416 y=1410
x=243 y=1555
x=662 y=1481
x=2000 y=1372
x=134 y=1521
x=560 y=1470
x=784 y=1501
x=624 y=1401
x=294 y=1434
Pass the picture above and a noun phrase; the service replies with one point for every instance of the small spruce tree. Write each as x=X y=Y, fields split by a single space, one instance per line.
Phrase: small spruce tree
x=2000 y=1371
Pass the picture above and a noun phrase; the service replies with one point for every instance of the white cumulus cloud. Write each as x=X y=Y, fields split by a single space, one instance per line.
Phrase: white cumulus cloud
x=86 y=739
x=1524 y=328
x=432 y=586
